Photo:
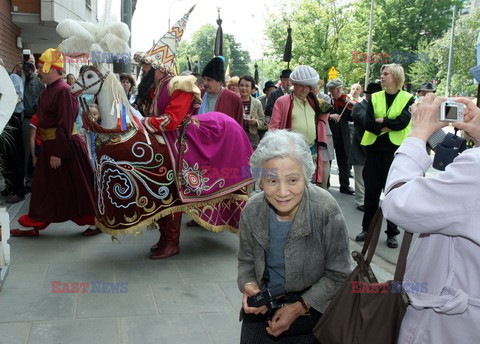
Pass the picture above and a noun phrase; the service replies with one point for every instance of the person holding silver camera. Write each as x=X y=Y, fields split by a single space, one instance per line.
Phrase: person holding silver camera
x=445 y=211
x=293 y=253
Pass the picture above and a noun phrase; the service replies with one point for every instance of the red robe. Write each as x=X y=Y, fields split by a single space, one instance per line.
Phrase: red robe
x=230 y=104
x=65 y=193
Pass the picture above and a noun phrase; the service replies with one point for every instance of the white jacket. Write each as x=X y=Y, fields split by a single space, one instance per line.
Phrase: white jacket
x=445 y=210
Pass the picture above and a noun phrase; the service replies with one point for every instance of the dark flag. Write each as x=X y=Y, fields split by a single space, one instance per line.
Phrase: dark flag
x=287 y=53
x=256 y=74
x=189 y=65
x=219 y=37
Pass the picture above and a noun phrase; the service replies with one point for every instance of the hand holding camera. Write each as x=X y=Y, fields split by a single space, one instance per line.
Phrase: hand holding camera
x=426 y=117
x=451 y=111
x=471 y=120
x=250 y=289
x=270 y=297
x=27 y=66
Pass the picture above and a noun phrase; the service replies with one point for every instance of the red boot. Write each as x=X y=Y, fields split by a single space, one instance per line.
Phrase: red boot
x=26 y=221
x=171 y=233
x=162 y=224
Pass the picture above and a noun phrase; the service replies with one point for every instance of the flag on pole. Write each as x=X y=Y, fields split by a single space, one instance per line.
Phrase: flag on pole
x=227 y=72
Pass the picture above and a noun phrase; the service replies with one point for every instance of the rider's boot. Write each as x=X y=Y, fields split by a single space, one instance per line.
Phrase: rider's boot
x=162 y=224
x=170 y=233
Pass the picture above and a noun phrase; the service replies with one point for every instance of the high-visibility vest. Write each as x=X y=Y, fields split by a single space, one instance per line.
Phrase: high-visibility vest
x=379 y=103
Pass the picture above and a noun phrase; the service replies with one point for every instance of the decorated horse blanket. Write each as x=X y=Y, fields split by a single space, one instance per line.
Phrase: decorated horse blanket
x=215 y=157
x=138 y=181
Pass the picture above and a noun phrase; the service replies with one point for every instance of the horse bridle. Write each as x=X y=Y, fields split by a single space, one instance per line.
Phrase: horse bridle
x=101 y=80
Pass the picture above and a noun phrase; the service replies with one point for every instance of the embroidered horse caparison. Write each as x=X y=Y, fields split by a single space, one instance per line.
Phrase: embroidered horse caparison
x=141 y=177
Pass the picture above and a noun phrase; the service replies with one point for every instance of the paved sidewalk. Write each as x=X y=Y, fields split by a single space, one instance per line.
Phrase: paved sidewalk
x=189 y=298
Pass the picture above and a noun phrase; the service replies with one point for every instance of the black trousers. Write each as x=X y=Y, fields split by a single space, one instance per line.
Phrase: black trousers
x=13 y=155
x=342 y=162
x=375 y=172
x=301 y=331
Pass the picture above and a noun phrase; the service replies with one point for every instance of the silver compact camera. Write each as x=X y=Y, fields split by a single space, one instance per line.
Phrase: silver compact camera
x=451 y=111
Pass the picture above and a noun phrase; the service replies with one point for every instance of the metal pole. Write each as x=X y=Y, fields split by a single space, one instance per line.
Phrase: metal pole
x=367 y=70
x=450 y=54
x=126 y=13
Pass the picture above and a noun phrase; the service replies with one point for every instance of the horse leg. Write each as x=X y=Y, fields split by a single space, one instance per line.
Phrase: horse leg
x=168 y=244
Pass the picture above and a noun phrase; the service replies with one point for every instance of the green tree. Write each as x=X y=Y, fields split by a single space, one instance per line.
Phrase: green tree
x=403 y=26
x=238 y=58
x=325 y=33
x=423 y=71
x=464 y=57
x=316 y=33
x=201 y=49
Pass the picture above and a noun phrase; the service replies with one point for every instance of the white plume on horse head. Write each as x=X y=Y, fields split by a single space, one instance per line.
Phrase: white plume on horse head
x=108 y=35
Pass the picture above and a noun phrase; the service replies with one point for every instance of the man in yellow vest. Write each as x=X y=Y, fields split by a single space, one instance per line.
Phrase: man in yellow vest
x=387 y=123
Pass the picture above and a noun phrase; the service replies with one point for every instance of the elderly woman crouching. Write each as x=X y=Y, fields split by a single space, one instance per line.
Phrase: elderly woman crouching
x=293 y=238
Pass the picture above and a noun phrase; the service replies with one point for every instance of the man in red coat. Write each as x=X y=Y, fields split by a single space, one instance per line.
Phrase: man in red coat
x=216 y=97
x=62 y=187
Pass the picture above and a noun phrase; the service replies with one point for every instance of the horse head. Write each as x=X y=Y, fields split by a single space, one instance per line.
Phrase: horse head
x=107 y=90
x=90 y=81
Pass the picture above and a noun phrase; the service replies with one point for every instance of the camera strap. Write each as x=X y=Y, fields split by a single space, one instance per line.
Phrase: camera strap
x=446 y=151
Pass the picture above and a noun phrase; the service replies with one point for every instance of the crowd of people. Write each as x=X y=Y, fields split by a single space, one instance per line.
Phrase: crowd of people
x=293 y=236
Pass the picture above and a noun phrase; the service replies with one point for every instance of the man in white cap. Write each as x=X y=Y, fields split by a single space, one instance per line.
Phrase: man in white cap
x=302 y=113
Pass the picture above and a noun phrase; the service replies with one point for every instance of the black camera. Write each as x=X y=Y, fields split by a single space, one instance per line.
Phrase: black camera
x=26 y=64
x=273 y=298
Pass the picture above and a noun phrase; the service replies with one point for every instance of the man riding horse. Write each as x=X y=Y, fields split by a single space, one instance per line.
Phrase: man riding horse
x=195 y=149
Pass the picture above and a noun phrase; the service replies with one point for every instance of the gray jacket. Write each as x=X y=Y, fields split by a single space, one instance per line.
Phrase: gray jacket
x=316 y=251
x=256 y=111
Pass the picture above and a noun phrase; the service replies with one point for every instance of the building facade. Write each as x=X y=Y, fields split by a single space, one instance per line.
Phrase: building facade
x=31 y=24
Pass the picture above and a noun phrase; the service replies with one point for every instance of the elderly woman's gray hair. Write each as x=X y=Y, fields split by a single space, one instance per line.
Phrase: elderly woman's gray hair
x=281 y=144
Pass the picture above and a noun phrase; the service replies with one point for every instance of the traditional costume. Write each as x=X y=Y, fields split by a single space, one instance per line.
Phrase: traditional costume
x=63 y=193
x=195 y=149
